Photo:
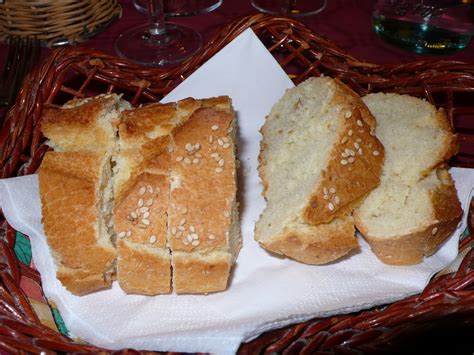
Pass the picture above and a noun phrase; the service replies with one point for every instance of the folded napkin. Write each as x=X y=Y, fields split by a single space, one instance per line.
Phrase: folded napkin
x=266 y=292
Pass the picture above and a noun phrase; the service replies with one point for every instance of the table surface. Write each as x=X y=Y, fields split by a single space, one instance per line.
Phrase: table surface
x=346 y=22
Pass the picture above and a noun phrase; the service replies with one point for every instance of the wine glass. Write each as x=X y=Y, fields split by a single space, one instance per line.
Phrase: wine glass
x=182 y=7
x=157 y=43
x=290 y=7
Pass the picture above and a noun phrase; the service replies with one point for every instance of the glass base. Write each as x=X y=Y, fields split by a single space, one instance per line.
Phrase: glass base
x=181 y=8
x=420 y=38
x=293 y=8
x=177 y=44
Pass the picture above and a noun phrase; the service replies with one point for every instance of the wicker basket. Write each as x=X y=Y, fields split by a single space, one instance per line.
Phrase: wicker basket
x=68 y=72
x=56 y=22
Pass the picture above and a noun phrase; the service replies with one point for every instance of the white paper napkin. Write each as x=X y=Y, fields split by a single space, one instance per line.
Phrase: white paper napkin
x=266 y=292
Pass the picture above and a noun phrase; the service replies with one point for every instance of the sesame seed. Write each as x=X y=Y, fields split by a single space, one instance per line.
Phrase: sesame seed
x=211 y=236
x=146 y=214
x=434 y=230
x=184 y=210
x=326 y=197
x=130 y=218
x=189 y=238
x=197 y=146
x=140 y=202
x=122 y=235
x=331 y=206
x=198 y=155
x=194 y=236
x=344 y=155
x=360 y=151
x=141 y=226
x=215 y=127
x=226 y=145
x=332 y=190
x=152 y=239
x=181 y=228
x=344 y=162
x=142 y=190
x=351 y=160
x=195 y=243
x=144 y=209
x=220 y=142
x=133 y=215
x=149 y=202
x=376 y=152
x=372 y=133
x=226 y=214
x=192 y=229
x=349 y=133
x=196 y=161
x=325 y=190
x=359 y=123
x=182 y=222
x=188 y=147
x=356 y=145
x=185 y=242
x=359 y=140
x=344 y=140
x=221 y=162
x=218 y=170
x=214 y=155
x=337 y=200
x=149 y=189
x=157 y=189
x=187 y=161
x=146 y=222
x=211 y=138
x=351 y=152
x=173 y=230
x=347 y=114
x=214 y=147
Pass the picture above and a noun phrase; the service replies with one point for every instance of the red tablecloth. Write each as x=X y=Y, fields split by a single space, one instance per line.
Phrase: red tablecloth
x=346 y=22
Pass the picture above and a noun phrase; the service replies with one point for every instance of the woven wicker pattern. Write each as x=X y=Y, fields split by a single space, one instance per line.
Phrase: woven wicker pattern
x=53 y=22
x=83 y=72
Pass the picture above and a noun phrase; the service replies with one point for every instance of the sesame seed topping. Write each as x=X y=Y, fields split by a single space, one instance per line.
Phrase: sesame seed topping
x=185 y=242
x=188 y=147
x=149 y=189
x=173 y=230
x=221 y=162
x=189 y=238
x=215 y=127
x=187 y=161
x=194 y=236
x=196 y=161
x=146 y=222
x=181 y=228
x=133 y=215
x=359 y=123
x=344 y=155
x=351 y=152
x=226 y=214
x=372 y=133
x=344 y=162
x=347 y=114
x=351 y=160
x=197 y=146
x=144 y=209
x=331 y=206
x=225 y=139
x=349 y=133
x=344 y=140
x=326 y=197
x=142 y=190
x=332 y=190
x=226 y=145
x=130 y=218
x=192 y=229
x=434 y=230
x=220 y=142
x=158 y=190
x=122 y=235
x=140 y=202
x=337 y=200
x=356 y=145
x=182 y=222
x=376 y=152
x=211 y=236
x=198 y=155
x=325 y=190
x=141 y=226
x=152 y=239
x=149 y=202
x=146 y=214
x=195 y=243
x=184 y=210
x=360 y=151
x=214 y=155
x=218 y=170
x=211 y=138
x=359 y=140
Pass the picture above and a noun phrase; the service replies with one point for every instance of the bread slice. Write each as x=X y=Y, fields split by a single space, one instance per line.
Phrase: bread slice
x=203 y=225
x=415 y=208
x=141 y=195
x=316 y=139
x=74 y=199
x=76 y=190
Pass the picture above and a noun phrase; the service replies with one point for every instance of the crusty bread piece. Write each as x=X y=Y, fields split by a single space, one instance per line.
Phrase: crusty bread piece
x=318 y=158
x=203 y=227
x=415 y=208
x=72 y=186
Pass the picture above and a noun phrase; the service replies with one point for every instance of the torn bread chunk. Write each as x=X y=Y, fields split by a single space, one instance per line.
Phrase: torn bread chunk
x=141 y=193
x=415 y=208
x=203 y=226
x=75 y=197
x=319 y=157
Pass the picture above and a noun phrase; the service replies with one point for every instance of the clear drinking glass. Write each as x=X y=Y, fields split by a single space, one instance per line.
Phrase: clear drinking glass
x=157 y=43
x=425 y=27
x=290 y=7
x=182 y=7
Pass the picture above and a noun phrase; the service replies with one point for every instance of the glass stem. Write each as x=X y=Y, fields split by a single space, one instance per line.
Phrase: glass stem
x=156 y=16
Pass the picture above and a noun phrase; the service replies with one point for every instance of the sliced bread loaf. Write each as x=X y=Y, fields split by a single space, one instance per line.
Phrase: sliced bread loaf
x=318 y=158
x=415 y=208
